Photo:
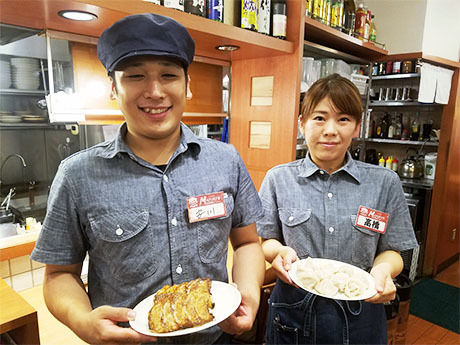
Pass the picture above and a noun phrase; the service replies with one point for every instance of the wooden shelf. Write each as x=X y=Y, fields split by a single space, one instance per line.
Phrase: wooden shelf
x=320 y=33
x=435 y=60
x=208 y=34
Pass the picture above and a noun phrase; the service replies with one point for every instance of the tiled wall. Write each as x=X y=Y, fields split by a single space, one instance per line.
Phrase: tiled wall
x=22 y=273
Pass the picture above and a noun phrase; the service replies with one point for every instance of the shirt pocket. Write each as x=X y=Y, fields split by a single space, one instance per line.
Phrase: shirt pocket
x=297 y=230
x=365 y=243
x=213 y=235
x=125 y=244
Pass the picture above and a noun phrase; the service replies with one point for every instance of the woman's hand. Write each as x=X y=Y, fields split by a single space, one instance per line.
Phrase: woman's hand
x=386 y=289
x=282 y=263
x=100 y=327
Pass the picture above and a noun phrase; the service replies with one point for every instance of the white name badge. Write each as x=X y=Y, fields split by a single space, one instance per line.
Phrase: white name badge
x=207 y=206
x=372 y=219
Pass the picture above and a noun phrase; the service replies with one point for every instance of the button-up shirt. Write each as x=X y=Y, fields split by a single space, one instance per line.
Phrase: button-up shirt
x=315 y=212
x=131 y=217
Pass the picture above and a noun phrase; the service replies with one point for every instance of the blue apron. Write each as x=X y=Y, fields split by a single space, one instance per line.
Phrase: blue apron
x=296 y=316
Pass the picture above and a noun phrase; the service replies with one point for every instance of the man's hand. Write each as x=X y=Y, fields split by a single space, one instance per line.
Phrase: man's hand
x=282 y=263
x=242 y=319
x=100 y=327
x=386 y=289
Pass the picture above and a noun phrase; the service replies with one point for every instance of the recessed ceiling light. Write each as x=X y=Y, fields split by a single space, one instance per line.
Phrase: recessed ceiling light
x=227 y=47
x=77 y=15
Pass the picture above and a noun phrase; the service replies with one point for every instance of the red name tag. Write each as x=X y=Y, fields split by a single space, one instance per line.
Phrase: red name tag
x=207 y=206
x=372 y=219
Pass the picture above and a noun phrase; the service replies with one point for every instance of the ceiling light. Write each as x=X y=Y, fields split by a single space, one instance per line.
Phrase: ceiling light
x=227 y=47
x=77 y=15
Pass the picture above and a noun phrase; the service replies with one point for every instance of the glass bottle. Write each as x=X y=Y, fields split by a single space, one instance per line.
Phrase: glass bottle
x=264 y=16
x=373 y=35
x=249 y=15
x=398 y=126
x=318 y=9
x=337 y=14
x=414 y=129
x=279 y=19
x=349 y=10
x=360 y=21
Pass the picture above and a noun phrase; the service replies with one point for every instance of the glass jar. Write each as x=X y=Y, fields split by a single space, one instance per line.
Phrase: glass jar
x=407 y=66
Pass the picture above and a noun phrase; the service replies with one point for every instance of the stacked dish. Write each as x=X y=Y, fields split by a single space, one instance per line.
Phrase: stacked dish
x=5 y=74
x=7 y=117
x=25 y=73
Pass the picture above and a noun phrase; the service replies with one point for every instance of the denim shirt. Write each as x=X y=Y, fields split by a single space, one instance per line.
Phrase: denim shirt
x=132 y=220
x=315 y=213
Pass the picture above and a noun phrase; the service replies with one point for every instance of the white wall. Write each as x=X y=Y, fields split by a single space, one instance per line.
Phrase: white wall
x=408 y=26
x=399 y=23
x=441 y=36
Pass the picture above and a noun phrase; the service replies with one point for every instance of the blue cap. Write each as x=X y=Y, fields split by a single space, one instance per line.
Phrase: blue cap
x=145 y=34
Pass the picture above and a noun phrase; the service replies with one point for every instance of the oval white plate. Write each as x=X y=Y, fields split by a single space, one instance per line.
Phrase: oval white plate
x=367 y=294
x=226 y=300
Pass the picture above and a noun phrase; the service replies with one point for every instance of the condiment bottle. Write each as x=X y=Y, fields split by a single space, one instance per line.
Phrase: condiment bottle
x=373 y=34
x=327 y=9
x=337 y=14
x=279 y=19
x=367 y=24
x=382 y=161
x=318 y=9
x=395 y=165
x=388 y=162
x=360 y=21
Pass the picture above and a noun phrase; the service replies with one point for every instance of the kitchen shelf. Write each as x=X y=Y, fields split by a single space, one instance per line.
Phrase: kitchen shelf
x=317 y=32
x=318 y=51
x=400 y=104
x=423 y=183
x=399 y=142
x=21 y=92
x=22 y=125
x=396 y=76
x=208 y=34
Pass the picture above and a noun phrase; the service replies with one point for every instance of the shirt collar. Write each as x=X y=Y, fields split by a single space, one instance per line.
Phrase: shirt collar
x=118 y=144
x=350 y=167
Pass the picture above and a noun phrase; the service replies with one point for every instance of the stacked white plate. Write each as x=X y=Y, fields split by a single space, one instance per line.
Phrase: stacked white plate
x=7 y=117
x=25 y=73
x=5 y=74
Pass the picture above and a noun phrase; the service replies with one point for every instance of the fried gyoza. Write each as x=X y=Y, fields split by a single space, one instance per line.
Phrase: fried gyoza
x=181 y=306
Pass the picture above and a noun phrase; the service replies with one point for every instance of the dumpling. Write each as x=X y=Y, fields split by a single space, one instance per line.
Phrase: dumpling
x=354 y=287
x=340 y=280
x=308 y=278
x=326 y=287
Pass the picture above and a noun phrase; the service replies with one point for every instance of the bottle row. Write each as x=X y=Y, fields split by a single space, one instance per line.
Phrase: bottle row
x=399 y=126
x=344 y=16
x=265 y=16
x=396 y=67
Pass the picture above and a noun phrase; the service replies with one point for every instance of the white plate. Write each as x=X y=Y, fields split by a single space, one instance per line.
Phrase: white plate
x=226 y=299
x=334 y=263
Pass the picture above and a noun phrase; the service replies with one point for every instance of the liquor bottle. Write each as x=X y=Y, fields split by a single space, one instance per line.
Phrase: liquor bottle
x=349 y=10
x=249 y=15
x=327 y=8
x=264 y=16
x=337 y=14
x=197 y=7
x=398 y=127
x=176 y=4
x=309 y=8
x=216 y=10
x=318 y=9
x=279 y=19
x=360 y=21
x=391 y=128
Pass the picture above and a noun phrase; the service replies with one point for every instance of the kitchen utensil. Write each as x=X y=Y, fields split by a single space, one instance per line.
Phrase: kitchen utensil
x=411 y=167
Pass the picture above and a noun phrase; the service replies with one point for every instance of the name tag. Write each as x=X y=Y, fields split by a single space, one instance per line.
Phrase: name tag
x=372 y=219
x=207 y=206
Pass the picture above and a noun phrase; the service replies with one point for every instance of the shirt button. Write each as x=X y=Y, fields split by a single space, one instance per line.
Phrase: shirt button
x=329 y=195
x=321 y=172
x=165 y=178
x=119 y=231
x=174 y=221
x=291 y=218
x=331 y=229
x=179 y=269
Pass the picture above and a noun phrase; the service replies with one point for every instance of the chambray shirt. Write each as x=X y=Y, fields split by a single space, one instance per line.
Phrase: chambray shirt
x=132 y=220
x=315 y=213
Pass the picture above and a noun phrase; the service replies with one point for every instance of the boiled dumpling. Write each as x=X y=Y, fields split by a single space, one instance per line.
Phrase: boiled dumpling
x=354 y=287
x=340 y=280
x=308 y=278
x=326 y=287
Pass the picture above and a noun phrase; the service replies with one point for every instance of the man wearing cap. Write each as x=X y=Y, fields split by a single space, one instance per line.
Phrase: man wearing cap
x=154 y=206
